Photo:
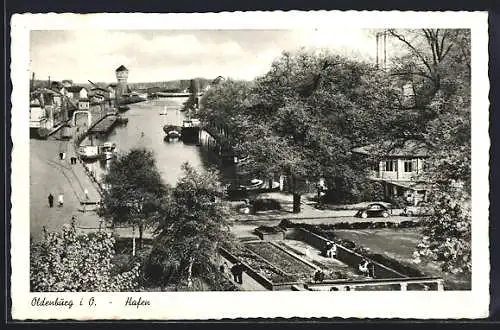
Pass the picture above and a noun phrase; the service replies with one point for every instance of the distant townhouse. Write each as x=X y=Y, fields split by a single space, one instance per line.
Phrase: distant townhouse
x=77 y=92
x=399 y=168
x=46 y=110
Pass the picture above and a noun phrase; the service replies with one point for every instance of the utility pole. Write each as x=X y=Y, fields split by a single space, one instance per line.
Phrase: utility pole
x=32 y=83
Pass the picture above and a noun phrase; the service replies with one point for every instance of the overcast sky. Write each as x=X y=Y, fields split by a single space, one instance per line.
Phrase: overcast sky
x=168 y=55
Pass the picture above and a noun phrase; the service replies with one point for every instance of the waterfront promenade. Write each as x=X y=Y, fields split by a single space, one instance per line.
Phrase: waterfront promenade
x=50 y=175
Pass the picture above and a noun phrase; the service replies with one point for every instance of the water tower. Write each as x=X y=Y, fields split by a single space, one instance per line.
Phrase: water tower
x=121 y=88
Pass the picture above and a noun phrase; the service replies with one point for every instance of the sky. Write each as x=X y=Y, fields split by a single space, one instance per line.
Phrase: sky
x=160 y=55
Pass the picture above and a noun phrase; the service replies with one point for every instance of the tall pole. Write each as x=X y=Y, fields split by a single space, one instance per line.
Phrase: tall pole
x=385 y=50
x=377 y=37
x=32 y=85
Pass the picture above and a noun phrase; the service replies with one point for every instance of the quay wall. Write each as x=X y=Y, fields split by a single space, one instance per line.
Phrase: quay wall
x=347 y=256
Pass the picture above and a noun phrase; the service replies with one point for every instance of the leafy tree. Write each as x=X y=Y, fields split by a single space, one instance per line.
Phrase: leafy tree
x=303 y=117
x=224 y=110
x=194 y=225
x=447 y=233
x=442 y=59
x=135 y=192
x=68 y=261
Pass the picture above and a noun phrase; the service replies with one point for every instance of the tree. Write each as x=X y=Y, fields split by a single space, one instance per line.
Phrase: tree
x=308 y=112
x=135 y=192
x=68 y=261
x=442 y=59
x=194 y=225
x=447 y=233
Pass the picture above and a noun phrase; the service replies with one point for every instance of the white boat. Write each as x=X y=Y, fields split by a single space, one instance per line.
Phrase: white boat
x=88 y=152
x=174 y=134
x=108 y=150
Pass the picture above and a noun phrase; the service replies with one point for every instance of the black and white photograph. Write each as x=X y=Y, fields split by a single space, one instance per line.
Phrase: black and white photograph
x=169 y=161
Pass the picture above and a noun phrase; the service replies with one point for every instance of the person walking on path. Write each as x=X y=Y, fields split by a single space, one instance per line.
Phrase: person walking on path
x=86 y=192
x=237 y=271
x=60 y=199
x=51 y=200
x=61 y=154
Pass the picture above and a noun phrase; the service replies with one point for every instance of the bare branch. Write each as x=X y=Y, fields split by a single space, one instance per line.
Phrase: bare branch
x=417 y=53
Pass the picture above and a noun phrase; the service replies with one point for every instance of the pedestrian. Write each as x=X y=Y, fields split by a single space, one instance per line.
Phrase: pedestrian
x=237 y=271
x=234 y=272
x=86 y=192
x=240 y=273
x=319 y=276
x=60 y=200
x=363 y=267
x=331 y=251
x=61 y=156
x=51 y=200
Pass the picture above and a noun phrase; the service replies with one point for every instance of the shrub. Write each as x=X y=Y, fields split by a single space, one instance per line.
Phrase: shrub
x=265 y=204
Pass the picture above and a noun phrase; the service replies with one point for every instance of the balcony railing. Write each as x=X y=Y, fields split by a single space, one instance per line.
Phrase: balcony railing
x=393 y=175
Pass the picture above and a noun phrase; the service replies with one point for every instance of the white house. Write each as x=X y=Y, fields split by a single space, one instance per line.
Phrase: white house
x=76 y=92
x=400 y=168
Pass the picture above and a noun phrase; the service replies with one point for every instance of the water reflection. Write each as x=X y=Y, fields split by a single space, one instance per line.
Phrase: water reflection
x=145 y=129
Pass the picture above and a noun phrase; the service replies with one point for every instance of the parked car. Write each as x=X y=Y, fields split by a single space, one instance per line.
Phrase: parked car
x=373 y=210
x=422 y=209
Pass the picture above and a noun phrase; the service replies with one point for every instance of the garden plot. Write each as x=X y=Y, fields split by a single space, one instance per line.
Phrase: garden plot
x=264 y=269
x=282 y=260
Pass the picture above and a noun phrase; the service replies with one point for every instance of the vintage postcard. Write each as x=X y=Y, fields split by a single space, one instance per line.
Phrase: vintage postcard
x=250 y=164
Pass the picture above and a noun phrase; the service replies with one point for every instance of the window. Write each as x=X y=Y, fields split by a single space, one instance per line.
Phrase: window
x=391 y=166
x=409 y=165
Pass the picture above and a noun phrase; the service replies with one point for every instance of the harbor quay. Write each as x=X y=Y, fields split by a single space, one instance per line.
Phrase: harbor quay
x=51 y=175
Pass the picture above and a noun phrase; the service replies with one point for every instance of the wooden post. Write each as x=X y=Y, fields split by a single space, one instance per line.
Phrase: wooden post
x=133 y=241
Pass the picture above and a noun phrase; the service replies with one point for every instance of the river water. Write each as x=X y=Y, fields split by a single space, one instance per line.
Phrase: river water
x=145 y=129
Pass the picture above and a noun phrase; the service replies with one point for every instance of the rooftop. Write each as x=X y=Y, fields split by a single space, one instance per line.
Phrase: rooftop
x=74 y=89
x=121 y=68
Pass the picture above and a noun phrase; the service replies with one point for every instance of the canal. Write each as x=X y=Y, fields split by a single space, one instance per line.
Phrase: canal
x=145 y=129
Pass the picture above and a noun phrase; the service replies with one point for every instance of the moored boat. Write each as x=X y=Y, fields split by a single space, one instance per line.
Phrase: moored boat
x=89 y=152
x=174 y=134
x=108 y=150
x=172 y=131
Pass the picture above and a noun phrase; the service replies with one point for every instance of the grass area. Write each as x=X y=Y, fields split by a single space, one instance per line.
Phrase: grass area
x=400 y=244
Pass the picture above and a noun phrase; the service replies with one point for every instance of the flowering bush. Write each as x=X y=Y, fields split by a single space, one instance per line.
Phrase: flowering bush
x=67 y=261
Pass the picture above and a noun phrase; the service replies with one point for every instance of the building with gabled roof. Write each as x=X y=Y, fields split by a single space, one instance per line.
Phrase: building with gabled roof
x=400 y=168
